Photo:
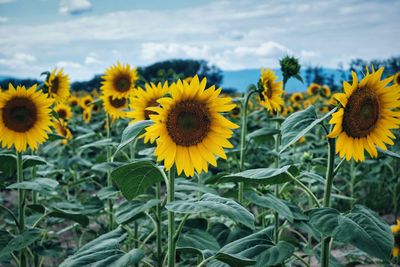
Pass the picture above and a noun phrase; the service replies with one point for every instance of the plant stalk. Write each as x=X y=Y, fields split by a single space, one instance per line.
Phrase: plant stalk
x=276 y=214
x=21 y=207
x=243 y=140
x=325 y=249
x=109 y=181
x=159 y=219
x=171 y=219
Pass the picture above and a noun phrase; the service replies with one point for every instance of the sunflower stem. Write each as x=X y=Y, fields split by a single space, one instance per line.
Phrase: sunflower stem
x=276 y=214
x=171 y=219
x=326 y=242
x=109 y=181
x=159 y=219
x=243 y=140
x=21 y=206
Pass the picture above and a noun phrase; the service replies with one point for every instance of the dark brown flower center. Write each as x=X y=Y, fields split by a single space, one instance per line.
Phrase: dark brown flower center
x=20 y=114
x=95 y=108
x=122 y=83
x=117 y=103
x=188 y=123
x=297 y=98
x=398 y=79
x=55 y=84
x=62 y=113
x=87 y=102
x=74 y=103
x=235 y=111
x=151 y=103
x=361 y=113
x=268 y=89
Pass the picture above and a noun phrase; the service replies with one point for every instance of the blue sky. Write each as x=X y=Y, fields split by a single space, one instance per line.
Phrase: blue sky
x=86 y=36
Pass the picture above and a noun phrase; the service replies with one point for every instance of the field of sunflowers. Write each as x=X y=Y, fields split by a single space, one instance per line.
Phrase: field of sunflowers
x=180 y=174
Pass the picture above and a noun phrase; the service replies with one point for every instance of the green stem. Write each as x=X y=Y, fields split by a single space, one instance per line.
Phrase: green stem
x=276 y=214
x=243 y=140
x=171 y=219
x=325 y=249
x=109 y=181
x=21 y=207
x=305 y=189
x=159 y=219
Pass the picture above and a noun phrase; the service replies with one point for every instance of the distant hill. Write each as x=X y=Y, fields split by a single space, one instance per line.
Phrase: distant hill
x=241 y=79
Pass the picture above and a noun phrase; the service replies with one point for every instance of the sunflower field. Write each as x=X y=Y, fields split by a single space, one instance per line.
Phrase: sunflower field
x=178 y=173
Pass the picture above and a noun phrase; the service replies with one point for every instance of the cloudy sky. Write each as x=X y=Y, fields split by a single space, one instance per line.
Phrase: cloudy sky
x=86 y=36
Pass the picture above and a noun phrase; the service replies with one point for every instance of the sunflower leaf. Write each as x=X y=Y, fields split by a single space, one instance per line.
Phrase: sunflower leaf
x=299 y=124
x=131 y=132
x=135 y=178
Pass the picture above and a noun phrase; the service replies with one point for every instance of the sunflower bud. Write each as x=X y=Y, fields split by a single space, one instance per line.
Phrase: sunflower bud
x=290 y=67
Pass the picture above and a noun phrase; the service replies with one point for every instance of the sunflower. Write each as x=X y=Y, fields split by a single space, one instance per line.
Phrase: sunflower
x=119 y=80
x=189 y=127
x=73 y=101
x=64 y=111
x=313 y=89
x=366 y=116
x=296 y=97
x=325 y=91
x=235 y=112
x=86 y=101
x=115 y=107
x=188 y=79
x=271 y=95
x=58 y=85
x=396 y=232
x=62 y=129
x=396 y=79
x=25 y=117
x=87 y=115
x=144 y=99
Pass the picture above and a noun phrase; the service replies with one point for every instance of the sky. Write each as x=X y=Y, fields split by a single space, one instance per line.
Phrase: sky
x=86 y=36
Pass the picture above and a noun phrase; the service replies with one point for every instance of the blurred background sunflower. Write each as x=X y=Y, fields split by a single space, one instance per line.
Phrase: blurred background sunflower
x=58 y=85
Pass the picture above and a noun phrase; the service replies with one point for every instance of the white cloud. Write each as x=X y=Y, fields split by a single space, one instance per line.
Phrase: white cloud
x=17 y=61
x=74 y=7
x=269 y=48
x=3 y=19
x=6 y=1
x=68 y=64
x=156 y=51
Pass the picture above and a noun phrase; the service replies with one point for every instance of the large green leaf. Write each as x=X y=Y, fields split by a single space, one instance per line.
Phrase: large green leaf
x=182 y=184
x=135 y=178
x=216 y=204
x=271 y=202
x=33 y=160
x=255 y=249
x=131 y=132
x=361 y=228
x=21 y=241
x=298 y=124
x=41 y=185
x=70 y=215
x=131 y=210
x=98 y=144
x=104 y=251
x=262 y=175
x=197 y=241
x=263 y=134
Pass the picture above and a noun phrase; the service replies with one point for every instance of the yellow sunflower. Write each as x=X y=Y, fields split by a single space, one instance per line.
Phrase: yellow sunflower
x=115 y=107
x=25 y=117
x=396 y=232
x=119 y=80
x=326 y=91
x=396 y=79
x=62 y=129
x=366 y=116
x=87 y=115
x=189 y=127
x=144 y=99
x=73 y=101
x=235 y=112
x=64 y=111
x=271 y=96
x=313 y=89
x=86 y=101
x=296 y=97
x=58 y=85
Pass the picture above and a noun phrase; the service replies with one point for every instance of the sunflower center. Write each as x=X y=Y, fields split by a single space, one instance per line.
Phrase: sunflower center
x=236 y=111
x=297 y=98
x=117 y=103
x=398 y=79
x=20 y=114
x=361 y=113
x=87 y=102
x=188 y=123
x=122 y=83
x=54 y=85
x=74 y=103
x=151 y=103
x=62 y=113
x=268 y=89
